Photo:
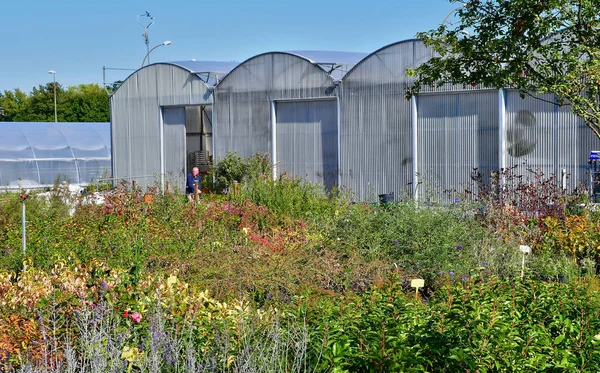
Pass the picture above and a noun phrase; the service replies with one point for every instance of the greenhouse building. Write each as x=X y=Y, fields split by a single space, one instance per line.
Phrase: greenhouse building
x=284 y=104
x=39 y=154
x=340 y=119
x=161 y=119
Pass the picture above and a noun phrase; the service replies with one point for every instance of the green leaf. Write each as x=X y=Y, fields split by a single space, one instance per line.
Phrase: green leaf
x=559 y=339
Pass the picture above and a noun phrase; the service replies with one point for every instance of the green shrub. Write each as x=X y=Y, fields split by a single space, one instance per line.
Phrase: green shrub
x=421 y=241
x=294 y=197
x=484 y=324
x=233 y=167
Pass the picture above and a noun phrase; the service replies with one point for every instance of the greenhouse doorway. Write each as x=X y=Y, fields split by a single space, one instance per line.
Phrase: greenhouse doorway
x=198 y=137
x=306 y=138
x=186 y=142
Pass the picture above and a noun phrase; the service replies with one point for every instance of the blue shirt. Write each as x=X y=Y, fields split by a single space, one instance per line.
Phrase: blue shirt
x=189 y=186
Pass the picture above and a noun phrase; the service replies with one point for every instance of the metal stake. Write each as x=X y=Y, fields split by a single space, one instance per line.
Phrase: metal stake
x=23 y=222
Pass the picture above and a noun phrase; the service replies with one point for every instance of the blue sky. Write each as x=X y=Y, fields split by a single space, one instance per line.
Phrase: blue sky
x=77 y=37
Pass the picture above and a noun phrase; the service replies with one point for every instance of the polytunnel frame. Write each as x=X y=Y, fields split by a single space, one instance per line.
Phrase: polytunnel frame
x=59 y=128
x=273 y=103
x=208 y=93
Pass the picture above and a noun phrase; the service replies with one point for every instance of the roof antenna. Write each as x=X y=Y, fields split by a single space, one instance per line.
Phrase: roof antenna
x=146 y=27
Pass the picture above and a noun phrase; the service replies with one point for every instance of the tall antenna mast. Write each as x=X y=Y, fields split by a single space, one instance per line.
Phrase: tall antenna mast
x=146 y=26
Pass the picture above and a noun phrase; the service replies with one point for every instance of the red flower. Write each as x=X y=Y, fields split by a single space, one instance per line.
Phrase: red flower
x=126 y=314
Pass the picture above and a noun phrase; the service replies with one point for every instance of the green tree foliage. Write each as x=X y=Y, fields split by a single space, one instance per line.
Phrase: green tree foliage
x=13 y=105
x=87 y=103
x=40 y=106
x=535 y=46
x=81 y=103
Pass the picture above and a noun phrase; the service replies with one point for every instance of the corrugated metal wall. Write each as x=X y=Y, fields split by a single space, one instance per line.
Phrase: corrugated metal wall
x=375 y=129
x=242 y=111
x=174 y=146
x=457 y=137
x=547 y=138
x=136 y=117
x=307 y=141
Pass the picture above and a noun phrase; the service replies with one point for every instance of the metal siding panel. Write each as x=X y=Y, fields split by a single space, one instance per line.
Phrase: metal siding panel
x=531 y=133
x=174 y=148
x=576 y=141
x=458 y=134
x=375 y=130
x=307 y=140
x=544 y=136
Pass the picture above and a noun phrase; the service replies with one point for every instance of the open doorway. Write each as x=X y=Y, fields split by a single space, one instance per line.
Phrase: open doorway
x=198 y=137
x=187 y=142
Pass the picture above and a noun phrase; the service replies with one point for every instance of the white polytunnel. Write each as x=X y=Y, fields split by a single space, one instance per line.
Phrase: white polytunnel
x=39 y=154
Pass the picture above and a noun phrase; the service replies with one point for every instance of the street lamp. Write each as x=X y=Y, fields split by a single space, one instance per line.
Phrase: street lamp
x=167 y=42
x=54 y=74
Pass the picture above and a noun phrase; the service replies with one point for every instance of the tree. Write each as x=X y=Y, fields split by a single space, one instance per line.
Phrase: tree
x=81 y=103
x=40 y=106
x=534 y=46
x=86 y=103
x=13 y=105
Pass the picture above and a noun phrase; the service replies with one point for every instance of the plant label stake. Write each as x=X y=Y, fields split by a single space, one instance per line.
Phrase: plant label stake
x=525 y=250
x=417 y=283
x=23 y=222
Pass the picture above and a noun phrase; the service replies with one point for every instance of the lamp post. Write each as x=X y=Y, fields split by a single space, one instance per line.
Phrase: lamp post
x=54 y=74
x=167 y=42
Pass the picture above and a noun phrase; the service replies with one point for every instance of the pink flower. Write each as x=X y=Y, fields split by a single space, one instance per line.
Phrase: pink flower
x=136 y=316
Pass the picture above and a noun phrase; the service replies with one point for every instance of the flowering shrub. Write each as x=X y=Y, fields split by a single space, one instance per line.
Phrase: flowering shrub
x=577 y=236
x=122 y=313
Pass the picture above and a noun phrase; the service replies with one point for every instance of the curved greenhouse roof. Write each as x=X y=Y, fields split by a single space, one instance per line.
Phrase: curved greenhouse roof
x=36 y=154
x=209 y=71
x=336 y=63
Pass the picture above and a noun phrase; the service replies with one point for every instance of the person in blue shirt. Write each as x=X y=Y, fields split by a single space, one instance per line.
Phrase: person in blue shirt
x=191 y=178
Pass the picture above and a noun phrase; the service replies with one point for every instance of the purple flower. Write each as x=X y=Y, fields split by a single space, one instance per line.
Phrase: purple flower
x=395 y=242
x=451 y=273
x=456 y=200
x=459 y=247
x=463 y=279
x=440 y=273
x=484 y=264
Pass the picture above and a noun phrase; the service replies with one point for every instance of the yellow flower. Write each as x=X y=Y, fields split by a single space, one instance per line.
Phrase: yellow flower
x=130 y=354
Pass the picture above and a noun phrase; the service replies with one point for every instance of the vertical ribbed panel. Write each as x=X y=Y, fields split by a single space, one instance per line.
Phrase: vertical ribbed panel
x=575 y=142
x=457 y=135
x=375 y=129
x=543 y=136
x=174 y=146
x=136 y=117
x=531 y=133
x=307 y=140
x=242 y=110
